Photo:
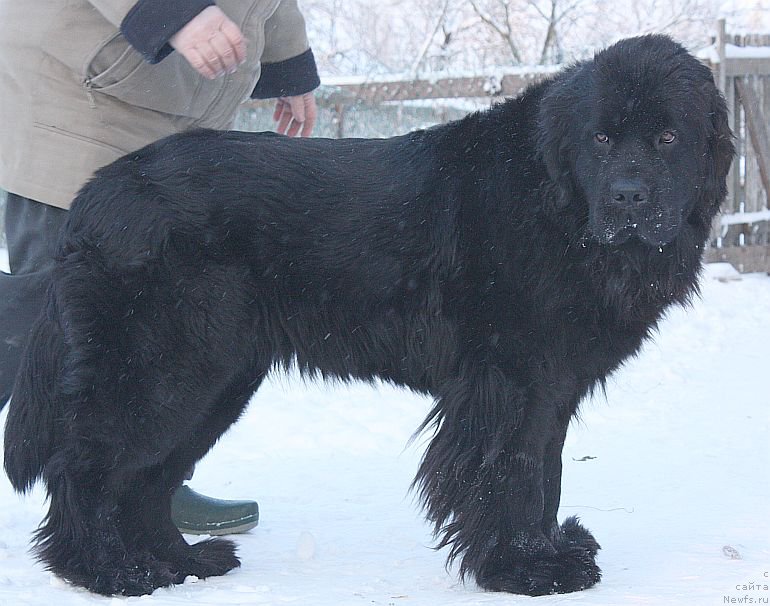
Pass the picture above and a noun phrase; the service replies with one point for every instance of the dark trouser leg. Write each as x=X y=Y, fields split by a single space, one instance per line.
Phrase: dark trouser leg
x=31 y=230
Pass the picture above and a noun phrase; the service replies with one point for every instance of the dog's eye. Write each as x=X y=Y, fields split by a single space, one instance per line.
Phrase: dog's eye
x=667 y=137
x=601 y=138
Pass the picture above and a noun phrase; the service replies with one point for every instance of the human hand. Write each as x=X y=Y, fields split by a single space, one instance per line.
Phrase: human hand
x=211 y=43
x=296 y=115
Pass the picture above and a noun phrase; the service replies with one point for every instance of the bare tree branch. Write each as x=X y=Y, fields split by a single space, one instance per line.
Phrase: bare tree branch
x=429 y=40
x=505 y=34
x=550 y=34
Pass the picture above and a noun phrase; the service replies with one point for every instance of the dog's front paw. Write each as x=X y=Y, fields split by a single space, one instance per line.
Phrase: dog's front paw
x=209 y=558
x=537 y=567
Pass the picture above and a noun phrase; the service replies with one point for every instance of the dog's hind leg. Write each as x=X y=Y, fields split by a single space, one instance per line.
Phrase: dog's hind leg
x=76 y=442
x=146 y=507
x=79 y=539
x=108 y=528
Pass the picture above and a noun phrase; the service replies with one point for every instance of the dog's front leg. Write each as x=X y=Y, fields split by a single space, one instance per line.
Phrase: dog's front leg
x=490 y=480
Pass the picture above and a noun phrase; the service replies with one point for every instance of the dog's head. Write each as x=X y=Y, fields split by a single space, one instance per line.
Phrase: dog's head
x=639 y=138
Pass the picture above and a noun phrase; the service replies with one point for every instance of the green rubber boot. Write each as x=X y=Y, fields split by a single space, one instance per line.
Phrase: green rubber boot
x=194 y=513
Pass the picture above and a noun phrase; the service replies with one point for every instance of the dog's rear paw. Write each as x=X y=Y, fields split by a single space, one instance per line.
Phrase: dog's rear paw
x=209 y=558
x=141 y=574
x=141 y=577
x=570 y=567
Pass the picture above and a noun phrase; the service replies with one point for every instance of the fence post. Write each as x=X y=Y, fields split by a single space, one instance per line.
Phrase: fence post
x=339 y=119
x=757 y=131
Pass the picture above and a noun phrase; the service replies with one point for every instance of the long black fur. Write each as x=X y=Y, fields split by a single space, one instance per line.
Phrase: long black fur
x=490 y=262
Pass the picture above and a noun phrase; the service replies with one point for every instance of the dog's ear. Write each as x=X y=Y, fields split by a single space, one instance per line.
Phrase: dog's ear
x=556 y=142
x=720 y=149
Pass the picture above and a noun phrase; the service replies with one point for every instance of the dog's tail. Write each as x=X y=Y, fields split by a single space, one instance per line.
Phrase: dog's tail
x=30 y=430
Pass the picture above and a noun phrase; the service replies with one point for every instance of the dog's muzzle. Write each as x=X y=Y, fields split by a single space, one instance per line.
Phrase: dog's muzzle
x=630 y=210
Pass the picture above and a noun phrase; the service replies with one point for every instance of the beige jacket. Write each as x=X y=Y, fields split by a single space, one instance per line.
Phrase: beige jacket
x=74 y=95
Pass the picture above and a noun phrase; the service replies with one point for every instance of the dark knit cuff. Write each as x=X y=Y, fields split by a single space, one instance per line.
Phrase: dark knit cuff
x=289 y=78
x=149 y=25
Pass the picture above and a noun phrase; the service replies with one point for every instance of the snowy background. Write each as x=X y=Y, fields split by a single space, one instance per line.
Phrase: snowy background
x=671 y=472
x=423 y=37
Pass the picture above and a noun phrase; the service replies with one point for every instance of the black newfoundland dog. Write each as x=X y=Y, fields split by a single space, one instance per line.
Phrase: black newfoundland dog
x=505 y=264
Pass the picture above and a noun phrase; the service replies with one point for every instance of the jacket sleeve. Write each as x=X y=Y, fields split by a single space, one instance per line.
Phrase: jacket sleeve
x=288 y=64
x=149 y=24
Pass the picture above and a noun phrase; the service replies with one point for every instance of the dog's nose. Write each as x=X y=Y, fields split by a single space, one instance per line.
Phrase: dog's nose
x=629 y=192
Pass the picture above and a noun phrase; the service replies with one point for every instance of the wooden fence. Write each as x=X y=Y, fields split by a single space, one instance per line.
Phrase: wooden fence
x=741 y=65
x=742 y=68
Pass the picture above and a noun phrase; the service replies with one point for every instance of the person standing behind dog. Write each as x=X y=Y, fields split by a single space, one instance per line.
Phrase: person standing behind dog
x=83 y=82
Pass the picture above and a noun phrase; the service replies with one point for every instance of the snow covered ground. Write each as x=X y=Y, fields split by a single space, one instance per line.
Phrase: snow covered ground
x=671 y=472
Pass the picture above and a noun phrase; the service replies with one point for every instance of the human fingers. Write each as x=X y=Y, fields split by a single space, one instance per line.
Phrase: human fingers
x=278 y=110
x=284 y=119
x=225 y=53
x=203 y=65
x=210 y=42
x=304 y=113
x=294 y=128
x=235 y=37
x=311 y=113
x=297 y=105
x=297 y=111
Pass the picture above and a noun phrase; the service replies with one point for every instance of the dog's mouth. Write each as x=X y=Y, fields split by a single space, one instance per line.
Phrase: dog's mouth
x=651 y=224
x=614 y=235
x=611 y=235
